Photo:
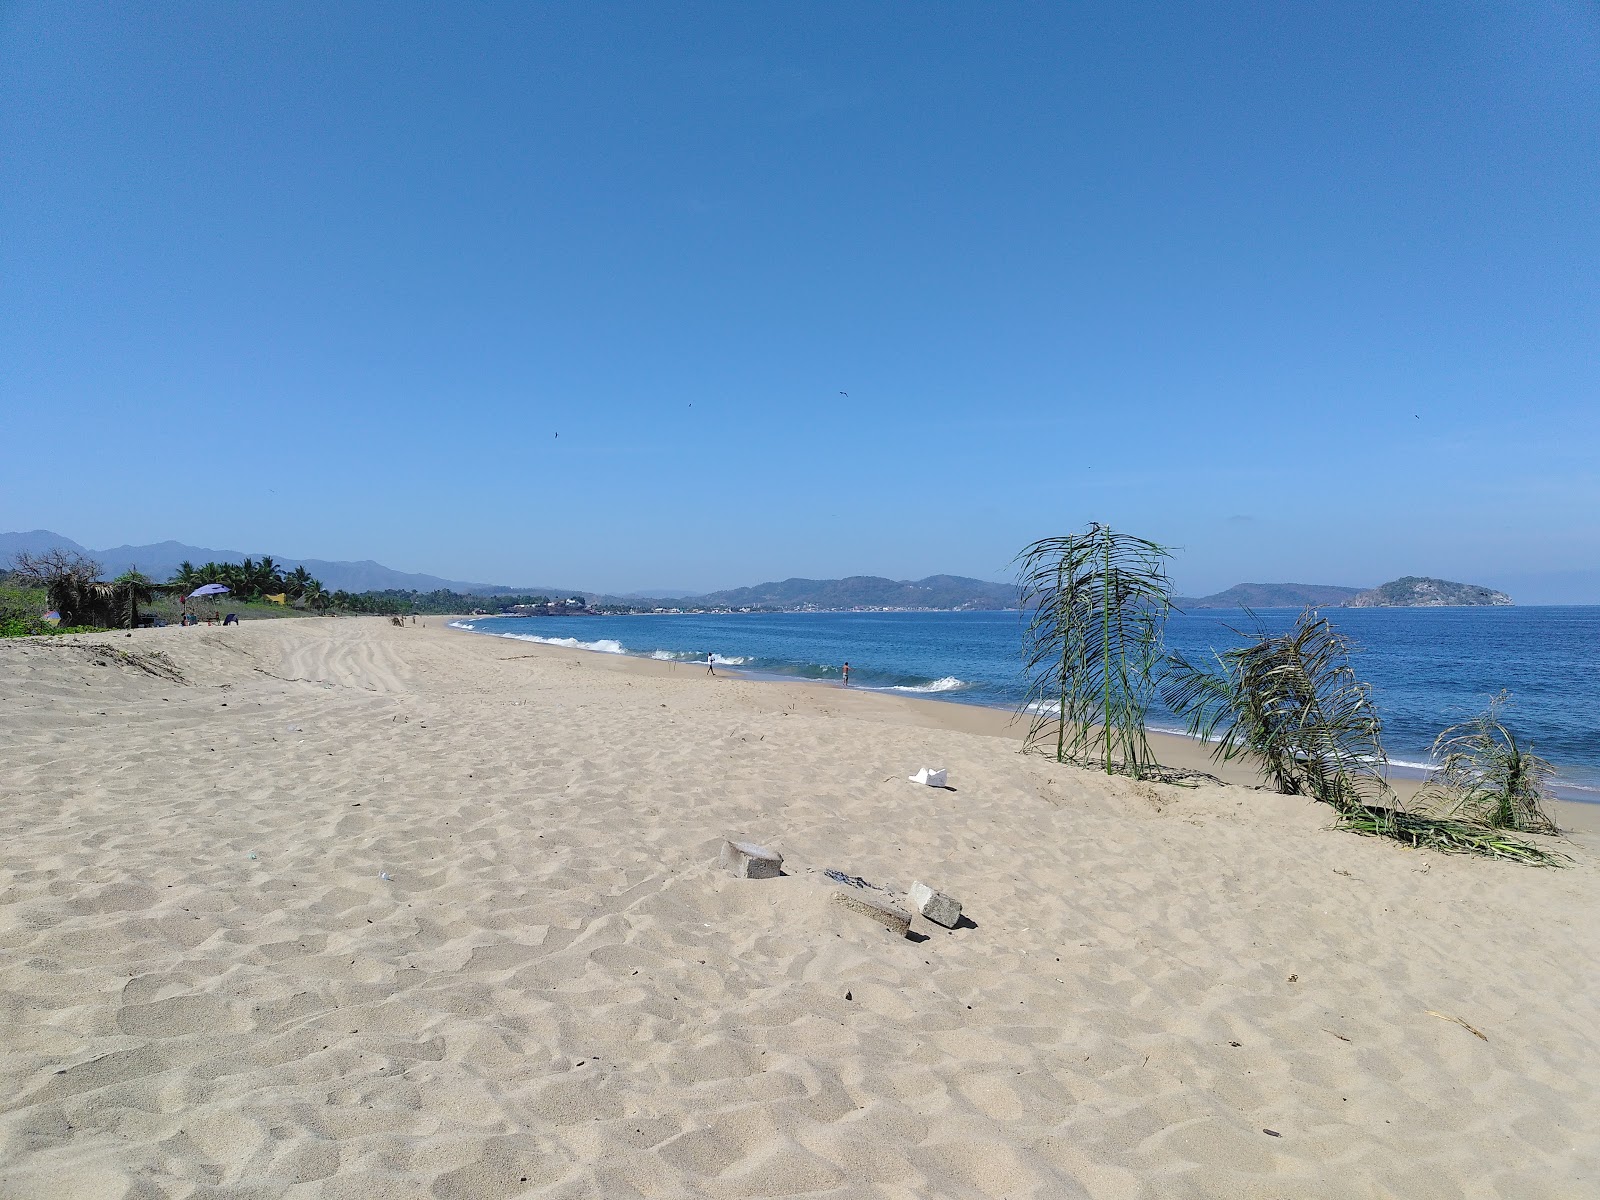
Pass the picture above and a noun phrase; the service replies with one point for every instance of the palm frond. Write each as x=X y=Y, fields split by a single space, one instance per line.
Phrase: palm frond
x=1293 y=703
x=1095 y=603
x=1487 y=775
x=1449 y=836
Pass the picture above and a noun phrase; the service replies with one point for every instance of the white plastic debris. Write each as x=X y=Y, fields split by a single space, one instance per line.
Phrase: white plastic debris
x=932 y=776
x=386 y=877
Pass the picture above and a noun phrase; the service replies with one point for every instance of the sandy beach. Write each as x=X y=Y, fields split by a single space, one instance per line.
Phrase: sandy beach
x=330 y=908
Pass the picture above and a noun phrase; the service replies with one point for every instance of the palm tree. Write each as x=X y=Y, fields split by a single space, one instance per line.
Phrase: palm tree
x=1490 y=777
x=187 y=577
x=1291 y=702
x=268 y=575
x=129 y=591
x=1095 y=603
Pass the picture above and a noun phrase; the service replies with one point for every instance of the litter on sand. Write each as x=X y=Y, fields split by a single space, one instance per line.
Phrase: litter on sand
x=841 y=877
x=932 y=776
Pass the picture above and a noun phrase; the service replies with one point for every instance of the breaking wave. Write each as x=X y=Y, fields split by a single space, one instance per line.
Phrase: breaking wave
x=948 y=684
x=602 y=646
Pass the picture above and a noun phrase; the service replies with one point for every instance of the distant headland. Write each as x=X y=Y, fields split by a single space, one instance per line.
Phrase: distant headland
x=1409 y=591
x=1415 y=591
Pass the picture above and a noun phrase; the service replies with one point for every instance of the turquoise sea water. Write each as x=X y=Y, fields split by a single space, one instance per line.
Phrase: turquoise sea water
x=1428 y=667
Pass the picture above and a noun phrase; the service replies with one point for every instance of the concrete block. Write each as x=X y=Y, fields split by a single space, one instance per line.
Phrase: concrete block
x=891 y=916
x=936 y=906
x=750 y=861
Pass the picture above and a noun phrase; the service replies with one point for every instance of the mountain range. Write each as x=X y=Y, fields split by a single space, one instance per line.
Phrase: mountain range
x=160 y=560
x=862 y=591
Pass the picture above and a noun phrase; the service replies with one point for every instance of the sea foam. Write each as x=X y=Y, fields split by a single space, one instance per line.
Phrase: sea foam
x=602 y=646
x=948 y=684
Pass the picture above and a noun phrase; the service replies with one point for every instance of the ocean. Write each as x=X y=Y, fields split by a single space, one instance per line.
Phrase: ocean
x=1428 y=667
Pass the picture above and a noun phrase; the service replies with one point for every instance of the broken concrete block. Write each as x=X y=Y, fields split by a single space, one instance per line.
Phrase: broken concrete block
x=936 y=906
x=892 y=917
x=750 y=861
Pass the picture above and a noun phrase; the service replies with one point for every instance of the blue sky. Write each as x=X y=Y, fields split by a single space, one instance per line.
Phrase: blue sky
x=1311 y=292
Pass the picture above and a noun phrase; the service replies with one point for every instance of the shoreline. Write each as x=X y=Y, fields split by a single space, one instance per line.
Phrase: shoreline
x=931 y=711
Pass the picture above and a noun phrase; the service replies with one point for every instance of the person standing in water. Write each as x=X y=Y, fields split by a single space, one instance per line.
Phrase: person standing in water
x=845 y=671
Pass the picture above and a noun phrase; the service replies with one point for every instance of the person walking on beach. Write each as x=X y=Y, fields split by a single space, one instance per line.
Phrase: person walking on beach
x=711 y=663
x=845 y=671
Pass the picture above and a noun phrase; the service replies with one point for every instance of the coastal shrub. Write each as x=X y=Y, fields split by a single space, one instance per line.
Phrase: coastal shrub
x=1488 y=776
x=11 y=627
x=21 y=603
x=70 y=582
x=1093 y=604
x=1292 y=703
x=22 y=611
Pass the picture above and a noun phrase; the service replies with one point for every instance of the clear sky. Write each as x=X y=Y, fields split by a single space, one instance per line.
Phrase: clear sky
x=1311 y=292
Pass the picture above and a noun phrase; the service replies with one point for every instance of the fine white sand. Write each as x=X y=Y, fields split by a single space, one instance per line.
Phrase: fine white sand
x=558 y=993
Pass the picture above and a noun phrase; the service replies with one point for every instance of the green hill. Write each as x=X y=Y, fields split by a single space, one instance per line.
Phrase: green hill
x=863 y=591
x=1271 y=595
x=1416 y=591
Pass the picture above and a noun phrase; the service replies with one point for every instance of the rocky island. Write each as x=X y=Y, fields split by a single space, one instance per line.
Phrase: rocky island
x=1414 y=591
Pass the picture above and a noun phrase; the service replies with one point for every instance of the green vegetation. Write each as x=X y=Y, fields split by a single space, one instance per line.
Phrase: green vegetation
x=1449 y=836
x=857 y=591
x=1095 y=603
x=21 y=607
x=1490 y=777
x=402 y=602
x=1417 y=591
x=253 y=579
x=71 y=585
x=1293 y=704
x=11 y=627
x=1270 y=595
x=131 y=589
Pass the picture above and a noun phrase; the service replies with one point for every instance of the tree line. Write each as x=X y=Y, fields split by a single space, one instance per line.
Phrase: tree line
x=71 y=583
x=252 y=579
